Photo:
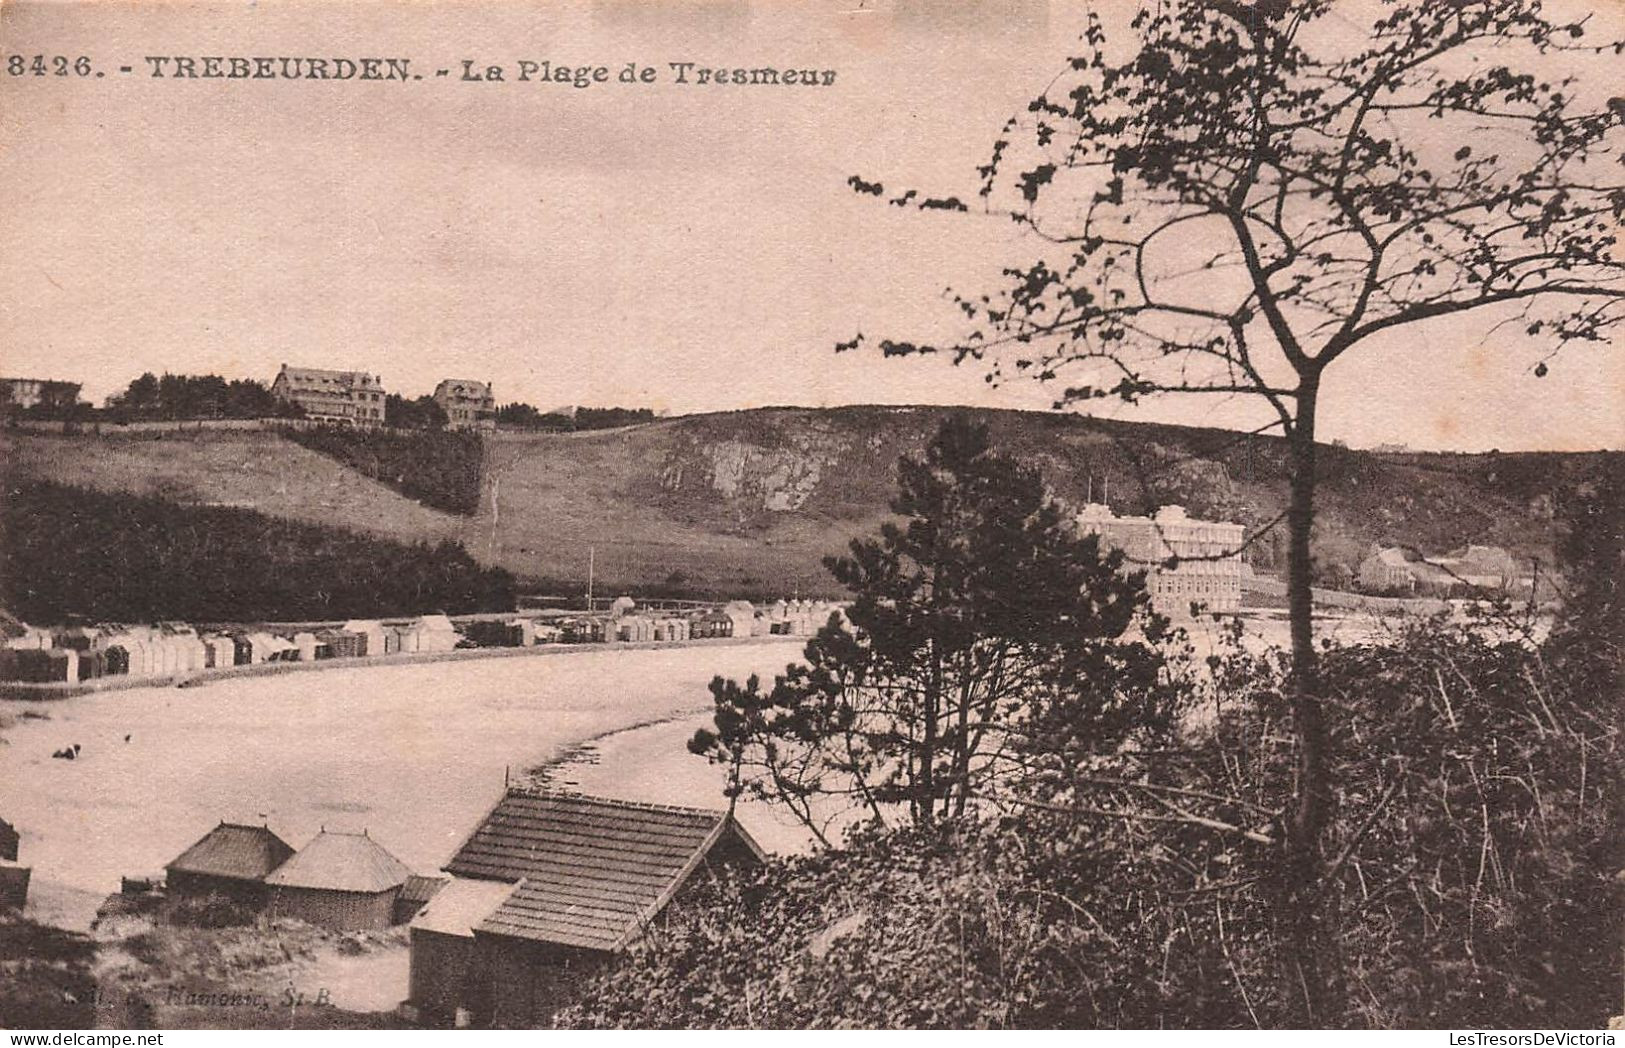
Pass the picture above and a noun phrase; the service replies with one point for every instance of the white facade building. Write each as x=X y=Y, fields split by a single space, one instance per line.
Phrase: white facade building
x=1188 y=563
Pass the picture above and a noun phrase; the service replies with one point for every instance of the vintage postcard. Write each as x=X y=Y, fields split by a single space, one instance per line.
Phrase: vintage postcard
x=673 y=514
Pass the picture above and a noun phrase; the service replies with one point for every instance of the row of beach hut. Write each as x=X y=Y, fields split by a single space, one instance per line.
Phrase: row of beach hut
x=169 y=649
x=177 y=650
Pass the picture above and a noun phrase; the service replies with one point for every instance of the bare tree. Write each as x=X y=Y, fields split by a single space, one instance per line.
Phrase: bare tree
x=1256 y=191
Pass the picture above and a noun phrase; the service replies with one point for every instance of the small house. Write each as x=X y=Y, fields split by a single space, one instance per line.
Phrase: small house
x=549 y=887
x=340 y=881
x=231 y=860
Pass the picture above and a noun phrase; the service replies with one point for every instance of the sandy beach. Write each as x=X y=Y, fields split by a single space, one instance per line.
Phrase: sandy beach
x=413 y=754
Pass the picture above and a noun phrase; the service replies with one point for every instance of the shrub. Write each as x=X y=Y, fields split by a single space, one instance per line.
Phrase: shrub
x=439 y=468
x=1467 y=874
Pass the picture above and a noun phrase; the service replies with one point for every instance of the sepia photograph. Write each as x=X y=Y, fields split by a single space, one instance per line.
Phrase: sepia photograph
x=677 y=515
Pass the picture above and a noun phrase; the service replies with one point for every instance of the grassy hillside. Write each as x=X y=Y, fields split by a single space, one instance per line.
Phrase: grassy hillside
x=750 y=501
x=118 y=557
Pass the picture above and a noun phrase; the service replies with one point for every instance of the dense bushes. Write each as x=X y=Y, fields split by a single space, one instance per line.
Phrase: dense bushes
x=526 y=416
x=1467 y=874
x=438 y=468
x=70 y=551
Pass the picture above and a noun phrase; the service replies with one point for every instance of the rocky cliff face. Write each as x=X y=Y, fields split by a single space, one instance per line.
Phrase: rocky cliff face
x=751 y=477
x=764 y=472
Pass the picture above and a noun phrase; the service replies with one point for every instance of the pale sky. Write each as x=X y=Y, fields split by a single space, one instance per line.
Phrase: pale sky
x=681 y=248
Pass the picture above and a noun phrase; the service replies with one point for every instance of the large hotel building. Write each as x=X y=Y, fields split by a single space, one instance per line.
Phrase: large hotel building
x=1187 y=563
x=352 y=398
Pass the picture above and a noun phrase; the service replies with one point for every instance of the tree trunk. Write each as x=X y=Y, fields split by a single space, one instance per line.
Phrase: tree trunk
x=1309 y=968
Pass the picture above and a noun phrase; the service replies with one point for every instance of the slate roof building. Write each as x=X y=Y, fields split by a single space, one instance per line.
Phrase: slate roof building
x=468 y=403
x=548 y=887
x=232 y=860
x=341 y=881
x=352 y=398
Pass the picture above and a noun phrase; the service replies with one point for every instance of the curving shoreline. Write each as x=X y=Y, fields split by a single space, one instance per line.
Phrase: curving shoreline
x=53 y=691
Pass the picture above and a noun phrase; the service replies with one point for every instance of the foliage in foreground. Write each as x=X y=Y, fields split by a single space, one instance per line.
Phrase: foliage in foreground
x=69 y=551
x=45 y=976
x=1471 y=853
x=439 y=468
x=978 y=609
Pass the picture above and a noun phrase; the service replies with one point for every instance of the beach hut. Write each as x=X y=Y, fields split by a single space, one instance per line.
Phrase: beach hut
x=165 y=657
x=742 y=613
x=436 y=633
x=46 y=665
x=231 y=860
x=489 y=634
x=712 y=624
x=118 y=661
x=219 y=652
x=340 y=644
x=187 y=648
x=281 y=649
x=406 y=638
x=92 y=664
x=133 y=653
x=372 y=636
x=254 y=648
x=339 y=881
